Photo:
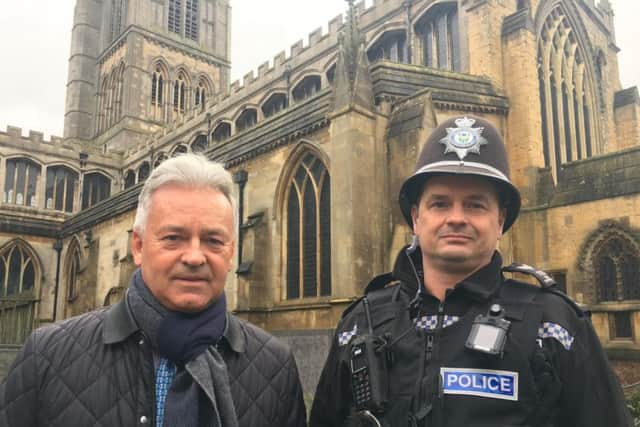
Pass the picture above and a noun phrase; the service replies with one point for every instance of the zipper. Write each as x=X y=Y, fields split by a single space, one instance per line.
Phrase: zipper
x=429 y=346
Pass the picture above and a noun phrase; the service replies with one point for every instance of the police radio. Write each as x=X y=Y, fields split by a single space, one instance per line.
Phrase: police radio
x=369 y=374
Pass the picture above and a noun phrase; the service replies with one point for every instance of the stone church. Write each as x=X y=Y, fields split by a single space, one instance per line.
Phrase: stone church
x=319 y=141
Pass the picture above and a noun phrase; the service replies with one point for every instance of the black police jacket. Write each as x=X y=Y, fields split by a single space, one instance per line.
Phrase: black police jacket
x=552 y=372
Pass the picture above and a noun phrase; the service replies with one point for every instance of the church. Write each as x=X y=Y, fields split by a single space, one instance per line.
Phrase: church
x=319 y=141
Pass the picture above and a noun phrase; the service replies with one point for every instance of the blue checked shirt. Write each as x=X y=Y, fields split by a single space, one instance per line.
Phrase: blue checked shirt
x=164 y=375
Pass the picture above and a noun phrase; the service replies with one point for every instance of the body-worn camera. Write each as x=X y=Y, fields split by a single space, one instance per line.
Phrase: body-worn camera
x=489 y=333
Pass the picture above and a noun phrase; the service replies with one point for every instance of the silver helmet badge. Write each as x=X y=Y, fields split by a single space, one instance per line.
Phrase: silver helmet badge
x=464 y=138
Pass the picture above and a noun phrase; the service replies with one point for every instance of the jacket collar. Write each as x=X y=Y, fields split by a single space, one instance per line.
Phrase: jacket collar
x=480 y=285
x=120 y=325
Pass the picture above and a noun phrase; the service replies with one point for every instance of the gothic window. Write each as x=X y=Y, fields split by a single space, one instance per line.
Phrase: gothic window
x=118 y=15
x=61 y=188
x=161 y=158
x=331 y=74
x=201 y=95
x=17 y=271
x=180 y=149
x=21 y=182
x=110 y=98
x=247 y=119
x=308 y=87
x=179 y=93
x=191 y=20
x=617 y=270
x=200 y=144
x=308 y=230
x=143 y=172
x=175 y=16
x=95 y=188
x=221 y=132
x=276 y=103
x=73 y=271
x=129 y=179
x=439 y=37
x=391 y=46
x=565 y=94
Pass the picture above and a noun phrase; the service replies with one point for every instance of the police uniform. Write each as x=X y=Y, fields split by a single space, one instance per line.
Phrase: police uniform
x=550 y=371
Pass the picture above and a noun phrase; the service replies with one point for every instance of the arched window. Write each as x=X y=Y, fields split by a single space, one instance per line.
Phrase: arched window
x=565 y=94
x=308 y=230
x=331 y=74
x=61 y=188
x=158 y=79
x=180 y=149
x=276 y=103
x=21 y=182
x=439 y=37
x=191 y=20
x=201 y=95
x=175 y=16
x=308 y=87
x=95 y=188
x=129 y=179
x=617 y=269
x=221 y=132
x=17 y=271
x=73 y=270
x=200 y=144
x=247 y=119
x=161 y=158
x=179 y=94
x=391 y=46
x=143 y=172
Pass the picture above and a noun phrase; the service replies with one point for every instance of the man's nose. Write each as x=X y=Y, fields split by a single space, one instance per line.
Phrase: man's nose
x=193 y=254
x=457 y=214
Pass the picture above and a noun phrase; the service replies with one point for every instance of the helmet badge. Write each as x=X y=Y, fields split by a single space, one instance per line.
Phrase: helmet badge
x=464 y=138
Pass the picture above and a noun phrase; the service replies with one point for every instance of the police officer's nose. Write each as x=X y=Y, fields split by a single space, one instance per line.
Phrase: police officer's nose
x=456 y=215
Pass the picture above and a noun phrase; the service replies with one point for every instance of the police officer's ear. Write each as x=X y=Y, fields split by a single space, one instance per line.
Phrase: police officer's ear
x=414 y=218
x=502 y=216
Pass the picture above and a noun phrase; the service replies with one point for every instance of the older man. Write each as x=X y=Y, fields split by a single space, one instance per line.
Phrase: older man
x=169 y=354
x=446 y=340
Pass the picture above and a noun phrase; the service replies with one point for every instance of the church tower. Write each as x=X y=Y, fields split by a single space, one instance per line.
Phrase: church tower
x=138 y=65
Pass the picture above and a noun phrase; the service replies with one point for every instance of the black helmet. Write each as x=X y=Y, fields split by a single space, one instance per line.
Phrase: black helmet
x=463 y=145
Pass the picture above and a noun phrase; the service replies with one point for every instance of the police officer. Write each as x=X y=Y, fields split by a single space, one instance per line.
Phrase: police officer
x=446 y=339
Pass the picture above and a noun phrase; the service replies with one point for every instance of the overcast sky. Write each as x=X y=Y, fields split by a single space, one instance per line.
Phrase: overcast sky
x=35 y=41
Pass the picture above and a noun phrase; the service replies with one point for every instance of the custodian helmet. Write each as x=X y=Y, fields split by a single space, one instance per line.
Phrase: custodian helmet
x=463 y=145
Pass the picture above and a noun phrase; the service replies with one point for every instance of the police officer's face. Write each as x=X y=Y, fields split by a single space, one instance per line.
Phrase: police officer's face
x=186 y=248
x=458 y=222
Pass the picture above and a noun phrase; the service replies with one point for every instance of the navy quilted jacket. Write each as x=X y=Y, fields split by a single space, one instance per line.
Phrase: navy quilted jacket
x=97 y=370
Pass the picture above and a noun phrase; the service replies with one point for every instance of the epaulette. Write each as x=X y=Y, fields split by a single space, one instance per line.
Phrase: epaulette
x=377 y=283
x=547 y=283
x=545 y=280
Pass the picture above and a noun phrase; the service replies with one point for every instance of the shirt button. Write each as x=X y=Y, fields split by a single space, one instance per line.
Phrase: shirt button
x=144 y=420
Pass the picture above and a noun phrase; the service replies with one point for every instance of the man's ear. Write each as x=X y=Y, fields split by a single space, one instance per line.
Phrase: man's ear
x=414 y=218
x=136 y=248
x=502 y=217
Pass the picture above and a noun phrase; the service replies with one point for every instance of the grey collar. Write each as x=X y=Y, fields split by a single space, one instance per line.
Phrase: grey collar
x=119 y=325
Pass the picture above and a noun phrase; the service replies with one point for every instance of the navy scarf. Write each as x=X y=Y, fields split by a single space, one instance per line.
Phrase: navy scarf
x=179 y=337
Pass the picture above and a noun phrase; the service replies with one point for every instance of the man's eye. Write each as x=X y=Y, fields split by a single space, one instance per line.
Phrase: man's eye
x=171 y=238
x=438 y=205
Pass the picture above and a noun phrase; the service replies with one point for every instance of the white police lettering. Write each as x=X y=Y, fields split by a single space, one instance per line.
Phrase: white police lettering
x=480 y=382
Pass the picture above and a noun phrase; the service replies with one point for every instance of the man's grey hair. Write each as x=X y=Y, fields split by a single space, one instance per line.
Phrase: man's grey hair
x=187 y=170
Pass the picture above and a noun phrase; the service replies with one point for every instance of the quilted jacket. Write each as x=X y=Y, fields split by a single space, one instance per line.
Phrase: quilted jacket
x=97 y=370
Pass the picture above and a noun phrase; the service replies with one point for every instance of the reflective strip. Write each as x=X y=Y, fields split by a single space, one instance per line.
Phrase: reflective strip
x=345 y=337
x=452 y=166
x=553 y=330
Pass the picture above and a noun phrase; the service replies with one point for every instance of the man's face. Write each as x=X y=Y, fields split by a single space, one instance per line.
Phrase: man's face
x=458 y=222
x=186 y=248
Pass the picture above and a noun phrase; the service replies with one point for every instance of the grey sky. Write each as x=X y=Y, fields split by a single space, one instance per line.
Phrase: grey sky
x=35 y=40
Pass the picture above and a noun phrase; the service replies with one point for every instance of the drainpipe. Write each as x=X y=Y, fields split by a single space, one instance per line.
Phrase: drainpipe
x=240 y=178
x=57 y=246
